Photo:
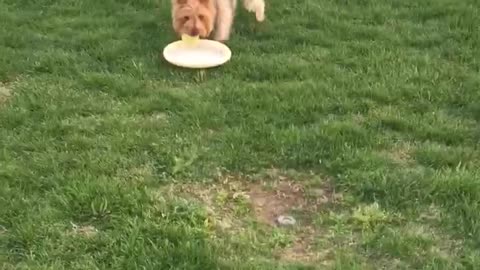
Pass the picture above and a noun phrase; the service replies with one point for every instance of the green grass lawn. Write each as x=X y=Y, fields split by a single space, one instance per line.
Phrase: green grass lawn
x=360 y=118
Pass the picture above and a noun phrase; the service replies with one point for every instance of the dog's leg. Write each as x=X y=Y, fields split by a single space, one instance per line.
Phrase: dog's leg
x=225 y=16
x=256 y=6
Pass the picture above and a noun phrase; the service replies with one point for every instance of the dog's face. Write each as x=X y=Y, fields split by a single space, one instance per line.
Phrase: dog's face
x=193 y=17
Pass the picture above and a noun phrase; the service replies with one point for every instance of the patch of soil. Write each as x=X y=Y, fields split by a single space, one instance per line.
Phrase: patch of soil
x=280 y=199
x=268 y=198
x=283 y=198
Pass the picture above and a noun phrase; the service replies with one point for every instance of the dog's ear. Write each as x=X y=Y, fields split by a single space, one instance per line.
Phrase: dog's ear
x=181 y=2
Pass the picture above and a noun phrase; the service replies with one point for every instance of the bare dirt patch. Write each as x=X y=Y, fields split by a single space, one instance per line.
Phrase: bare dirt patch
x=234 y=201
x=282 y=198
x=269 y=204
x=265 y=199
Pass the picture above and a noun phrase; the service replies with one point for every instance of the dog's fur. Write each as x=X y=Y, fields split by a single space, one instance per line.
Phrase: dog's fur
x=202 y=17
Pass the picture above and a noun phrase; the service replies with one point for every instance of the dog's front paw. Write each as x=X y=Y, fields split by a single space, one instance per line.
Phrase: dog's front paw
x=260 y=15
x=257 y=7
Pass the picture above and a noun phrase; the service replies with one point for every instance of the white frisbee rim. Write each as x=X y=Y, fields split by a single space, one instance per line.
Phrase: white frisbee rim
x=167 y=54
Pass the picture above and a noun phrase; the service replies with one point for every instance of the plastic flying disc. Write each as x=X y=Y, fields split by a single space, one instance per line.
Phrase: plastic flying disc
x=191 y=52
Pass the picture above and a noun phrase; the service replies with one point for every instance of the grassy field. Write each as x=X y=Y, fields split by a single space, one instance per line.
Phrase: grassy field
x=360 y=118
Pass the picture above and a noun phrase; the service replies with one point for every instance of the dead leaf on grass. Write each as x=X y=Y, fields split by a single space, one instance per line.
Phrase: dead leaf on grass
x=85 y=231
x=3 y=230
x=5 y=93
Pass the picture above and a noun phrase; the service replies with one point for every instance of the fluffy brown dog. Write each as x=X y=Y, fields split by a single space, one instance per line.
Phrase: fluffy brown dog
x=202 y=17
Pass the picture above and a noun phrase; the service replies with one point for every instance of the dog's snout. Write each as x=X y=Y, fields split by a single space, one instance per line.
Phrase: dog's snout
x=195 y=32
